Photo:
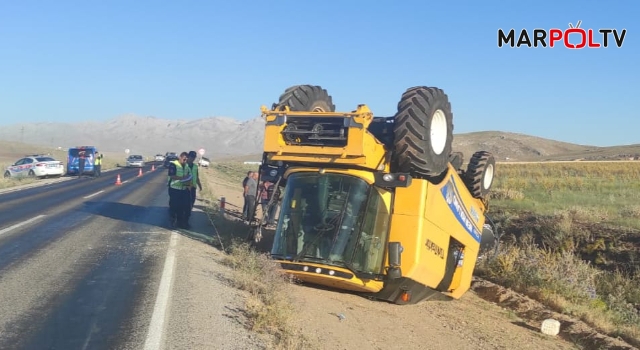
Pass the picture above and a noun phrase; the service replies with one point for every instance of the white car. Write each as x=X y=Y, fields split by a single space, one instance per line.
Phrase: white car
x=35 y=166
x=135 y=160
x=204 y=162
x=159 y=158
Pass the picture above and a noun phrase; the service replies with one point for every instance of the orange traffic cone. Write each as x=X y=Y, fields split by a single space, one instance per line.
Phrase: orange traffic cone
x=153 y=167
x=118 y=182
x=140 y=172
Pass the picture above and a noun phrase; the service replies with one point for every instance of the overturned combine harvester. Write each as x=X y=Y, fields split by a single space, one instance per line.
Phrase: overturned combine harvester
x=376 y=205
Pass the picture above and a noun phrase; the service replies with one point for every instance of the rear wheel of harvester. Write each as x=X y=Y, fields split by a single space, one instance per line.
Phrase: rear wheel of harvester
x=480 y=173
x=423 y=132
x=305 y=98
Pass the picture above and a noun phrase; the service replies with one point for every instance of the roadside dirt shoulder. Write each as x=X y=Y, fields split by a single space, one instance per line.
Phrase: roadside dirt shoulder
x=205 y=311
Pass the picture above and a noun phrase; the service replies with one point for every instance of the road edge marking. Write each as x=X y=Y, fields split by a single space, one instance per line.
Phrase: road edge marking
x=156 y=327
x=13 y=227
x=91 y=195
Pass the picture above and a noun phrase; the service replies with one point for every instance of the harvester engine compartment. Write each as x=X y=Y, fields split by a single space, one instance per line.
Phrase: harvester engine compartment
x=316 y=131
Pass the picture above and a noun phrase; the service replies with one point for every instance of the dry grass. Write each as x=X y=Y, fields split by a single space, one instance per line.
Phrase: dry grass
x=269 y=307
x=571 y=237
x=15 y=181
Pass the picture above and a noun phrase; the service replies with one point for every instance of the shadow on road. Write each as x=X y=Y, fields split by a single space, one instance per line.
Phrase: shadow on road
x=158 y=216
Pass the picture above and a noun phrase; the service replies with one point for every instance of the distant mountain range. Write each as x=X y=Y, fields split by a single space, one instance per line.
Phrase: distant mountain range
x=223 y=137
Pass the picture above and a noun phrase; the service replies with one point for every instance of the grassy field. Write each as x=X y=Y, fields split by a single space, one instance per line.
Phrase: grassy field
x=572 y=240
x=603 y=192
x=234 y=171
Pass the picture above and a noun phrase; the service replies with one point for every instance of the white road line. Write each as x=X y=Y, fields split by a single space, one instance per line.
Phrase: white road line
x=125 y=181
x=5 y=230
x=95 y=194
x=156 y=328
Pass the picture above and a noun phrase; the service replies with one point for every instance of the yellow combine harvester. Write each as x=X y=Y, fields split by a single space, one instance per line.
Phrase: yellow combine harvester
x=376 y=205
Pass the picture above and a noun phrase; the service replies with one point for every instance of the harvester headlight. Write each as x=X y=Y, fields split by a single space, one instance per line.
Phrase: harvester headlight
x=273 y=172
x=387 y=177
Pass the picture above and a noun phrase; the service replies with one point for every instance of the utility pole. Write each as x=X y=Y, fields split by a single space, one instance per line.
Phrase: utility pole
x=22 y=135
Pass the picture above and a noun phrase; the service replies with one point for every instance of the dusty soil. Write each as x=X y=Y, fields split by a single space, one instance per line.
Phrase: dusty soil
x=487 y=317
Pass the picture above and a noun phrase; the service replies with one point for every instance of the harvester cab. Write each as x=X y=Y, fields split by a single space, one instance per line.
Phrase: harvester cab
x=376 y=205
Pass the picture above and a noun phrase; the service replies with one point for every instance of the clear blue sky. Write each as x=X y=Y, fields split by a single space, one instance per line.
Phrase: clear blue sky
x=89 y=60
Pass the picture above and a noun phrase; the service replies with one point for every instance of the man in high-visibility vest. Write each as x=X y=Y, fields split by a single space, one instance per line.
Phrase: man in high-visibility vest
x=195 y=181
x=97 y=165
x=179 y=189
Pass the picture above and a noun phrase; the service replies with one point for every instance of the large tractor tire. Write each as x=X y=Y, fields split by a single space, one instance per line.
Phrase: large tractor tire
x=423 y=132
x=305 y=98
x=480 y=173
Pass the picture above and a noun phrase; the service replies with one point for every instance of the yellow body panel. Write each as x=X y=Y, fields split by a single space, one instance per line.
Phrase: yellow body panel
x=362 y=148
x=423 y=220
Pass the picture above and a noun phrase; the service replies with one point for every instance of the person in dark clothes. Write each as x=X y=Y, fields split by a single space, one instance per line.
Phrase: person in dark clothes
x=245 y=214
x=250 y=190
x=179 y=191
x=81 y=159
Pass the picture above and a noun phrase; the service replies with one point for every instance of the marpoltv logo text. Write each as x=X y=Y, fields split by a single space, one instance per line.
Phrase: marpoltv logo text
x=571 y=38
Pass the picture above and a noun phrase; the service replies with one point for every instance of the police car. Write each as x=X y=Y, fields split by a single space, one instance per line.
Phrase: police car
x=35 y=166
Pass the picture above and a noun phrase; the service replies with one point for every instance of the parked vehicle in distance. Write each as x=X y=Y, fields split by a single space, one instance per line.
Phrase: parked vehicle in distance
x=73 y=154
x=204 y=162
x=35 y=166
x=135 y=161
x=159 y=158
x=169 y=158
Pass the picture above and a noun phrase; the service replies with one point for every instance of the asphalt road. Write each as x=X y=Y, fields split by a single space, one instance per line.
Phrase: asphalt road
x=81 y=261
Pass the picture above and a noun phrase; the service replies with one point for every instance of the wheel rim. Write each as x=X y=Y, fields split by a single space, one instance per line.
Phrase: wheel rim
x=7 y=174
x=438 y=131
x=488 y=177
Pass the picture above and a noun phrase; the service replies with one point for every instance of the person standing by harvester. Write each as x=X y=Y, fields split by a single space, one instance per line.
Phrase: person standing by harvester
x=250 y=191
x=179 y=191
x=195 y=180
x=245 y=214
